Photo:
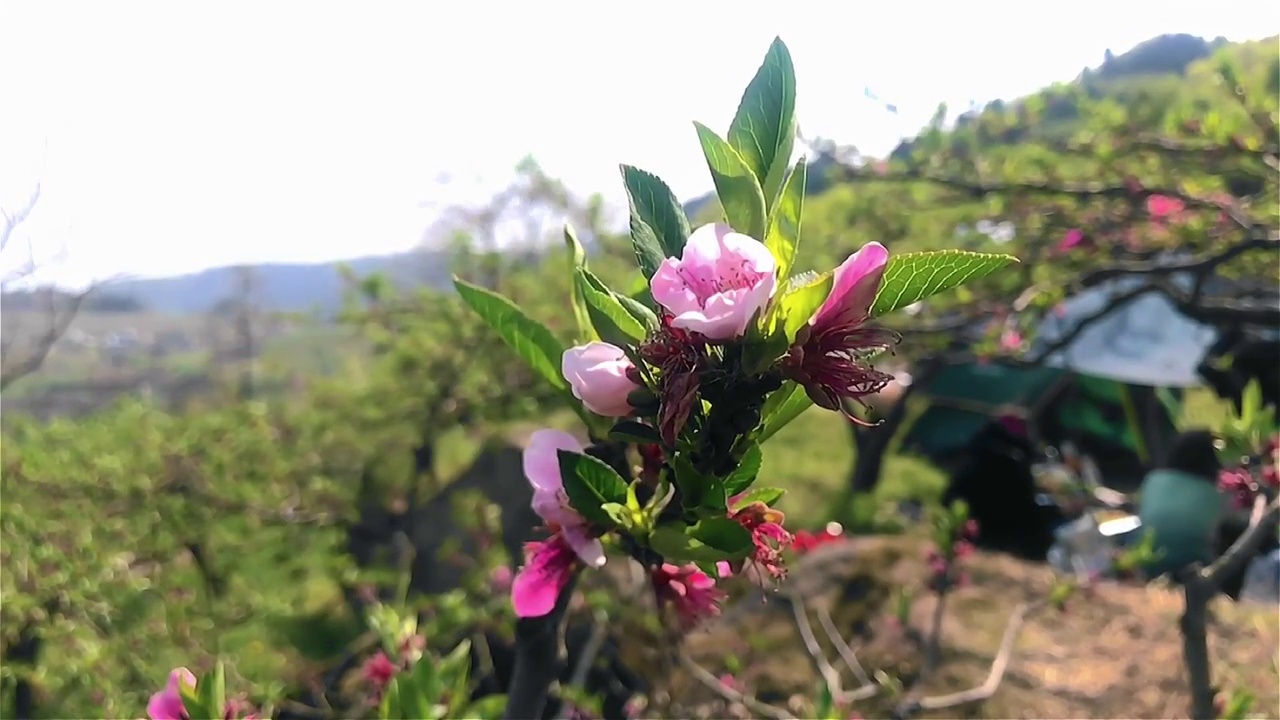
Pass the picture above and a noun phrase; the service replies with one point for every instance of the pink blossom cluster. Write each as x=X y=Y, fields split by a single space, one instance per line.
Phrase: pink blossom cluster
x=714 y=293
x=1243 y=483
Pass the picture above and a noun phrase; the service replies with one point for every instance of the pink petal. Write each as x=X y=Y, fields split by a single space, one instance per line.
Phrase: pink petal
x=587 y=548
x=541 y=461
x=547 y=570
x=857 y=281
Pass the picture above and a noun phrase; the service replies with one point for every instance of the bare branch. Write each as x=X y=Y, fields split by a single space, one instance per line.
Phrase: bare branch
x=847 y=655
x=998 y=667
x=713 y=683
x=830 y=675
x=12 y=221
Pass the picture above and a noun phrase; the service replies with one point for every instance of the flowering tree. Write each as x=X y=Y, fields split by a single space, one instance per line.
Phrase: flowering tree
x=1152 y=192
x=726 y=345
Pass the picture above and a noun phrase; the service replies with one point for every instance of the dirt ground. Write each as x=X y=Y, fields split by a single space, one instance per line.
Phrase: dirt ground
x=1114 y=653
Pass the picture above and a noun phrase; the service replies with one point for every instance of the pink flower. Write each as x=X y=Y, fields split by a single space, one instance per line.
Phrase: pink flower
x=1010 y=340
x=550 y=564
x=541 y=462
x=167 y=704
x=721 y=281
x=600 y=375
x=1072 y=239
x=548 y=567
x=1160 y=206
x=690 y=591
x=500 y=579
x=827 y=358
x=378 y=672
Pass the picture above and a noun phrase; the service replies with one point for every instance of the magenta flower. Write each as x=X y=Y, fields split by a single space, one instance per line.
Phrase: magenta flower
x=718 y=285
x=691 y=592
x=167 y=704
x=550 y=564
x=828 y=358
x=1071 y=240
x=600 y=375
x=548 y=567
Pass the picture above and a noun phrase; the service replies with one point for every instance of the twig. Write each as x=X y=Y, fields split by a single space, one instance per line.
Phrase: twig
x=830 y=675
x=713 y=683
x=998 y=668
x=846 y=653
x=538 y=659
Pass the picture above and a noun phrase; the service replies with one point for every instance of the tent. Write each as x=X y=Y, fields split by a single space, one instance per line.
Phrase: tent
x=1147 y=341
x=1114 y=389
x=1099 y=414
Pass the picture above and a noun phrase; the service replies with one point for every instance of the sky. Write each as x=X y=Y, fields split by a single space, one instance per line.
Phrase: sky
x=170 y=137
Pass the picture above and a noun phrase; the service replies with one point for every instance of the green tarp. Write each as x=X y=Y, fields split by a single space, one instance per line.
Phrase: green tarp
x=964 y=398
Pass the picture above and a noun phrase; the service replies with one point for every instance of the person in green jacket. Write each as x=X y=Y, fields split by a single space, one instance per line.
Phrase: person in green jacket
x=1180 y=503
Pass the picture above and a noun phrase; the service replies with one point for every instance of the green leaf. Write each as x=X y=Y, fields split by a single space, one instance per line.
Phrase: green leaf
x=455 y=670
x=783 y=236
x=590 y=483
x=390 y=708
x=711 y=540
x=912 y=277
x=212 y=690
x=745 y=474
x=783 y=406
x=618 y=513
x=489 y=707
x=736 y=186
x=763 y=130
x=656 y=206
x=608 y=315
x=634 y=432
x=801 y=301
x=697 y=490
x=530 y=339
x=578 y=261
x=766 y=495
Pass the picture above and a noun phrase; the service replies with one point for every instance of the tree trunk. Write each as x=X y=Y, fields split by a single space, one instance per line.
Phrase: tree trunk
x=871 y=444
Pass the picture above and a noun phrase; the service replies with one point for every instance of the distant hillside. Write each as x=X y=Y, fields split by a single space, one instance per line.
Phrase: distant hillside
x=290 y=287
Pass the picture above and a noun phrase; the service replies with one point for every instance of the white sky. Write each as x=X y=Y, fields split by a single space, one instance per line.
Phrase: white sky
x=169 y=137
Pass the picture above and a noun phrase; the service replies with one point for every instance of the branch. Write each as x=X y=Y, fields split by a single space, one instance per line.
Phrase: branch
x=846 y=653
x=1200 y=586
x=11 y=222
x=713 y=683
x=58 y=321
x=830 y=675
x=994 y=677
x=1097 y=190
x=538 y=659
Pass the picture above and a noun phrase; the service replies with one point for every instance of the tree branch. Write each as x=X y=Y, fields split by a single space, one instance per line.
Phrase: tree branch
x=1200 y=586
x=994 y=677
x=539 y=657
